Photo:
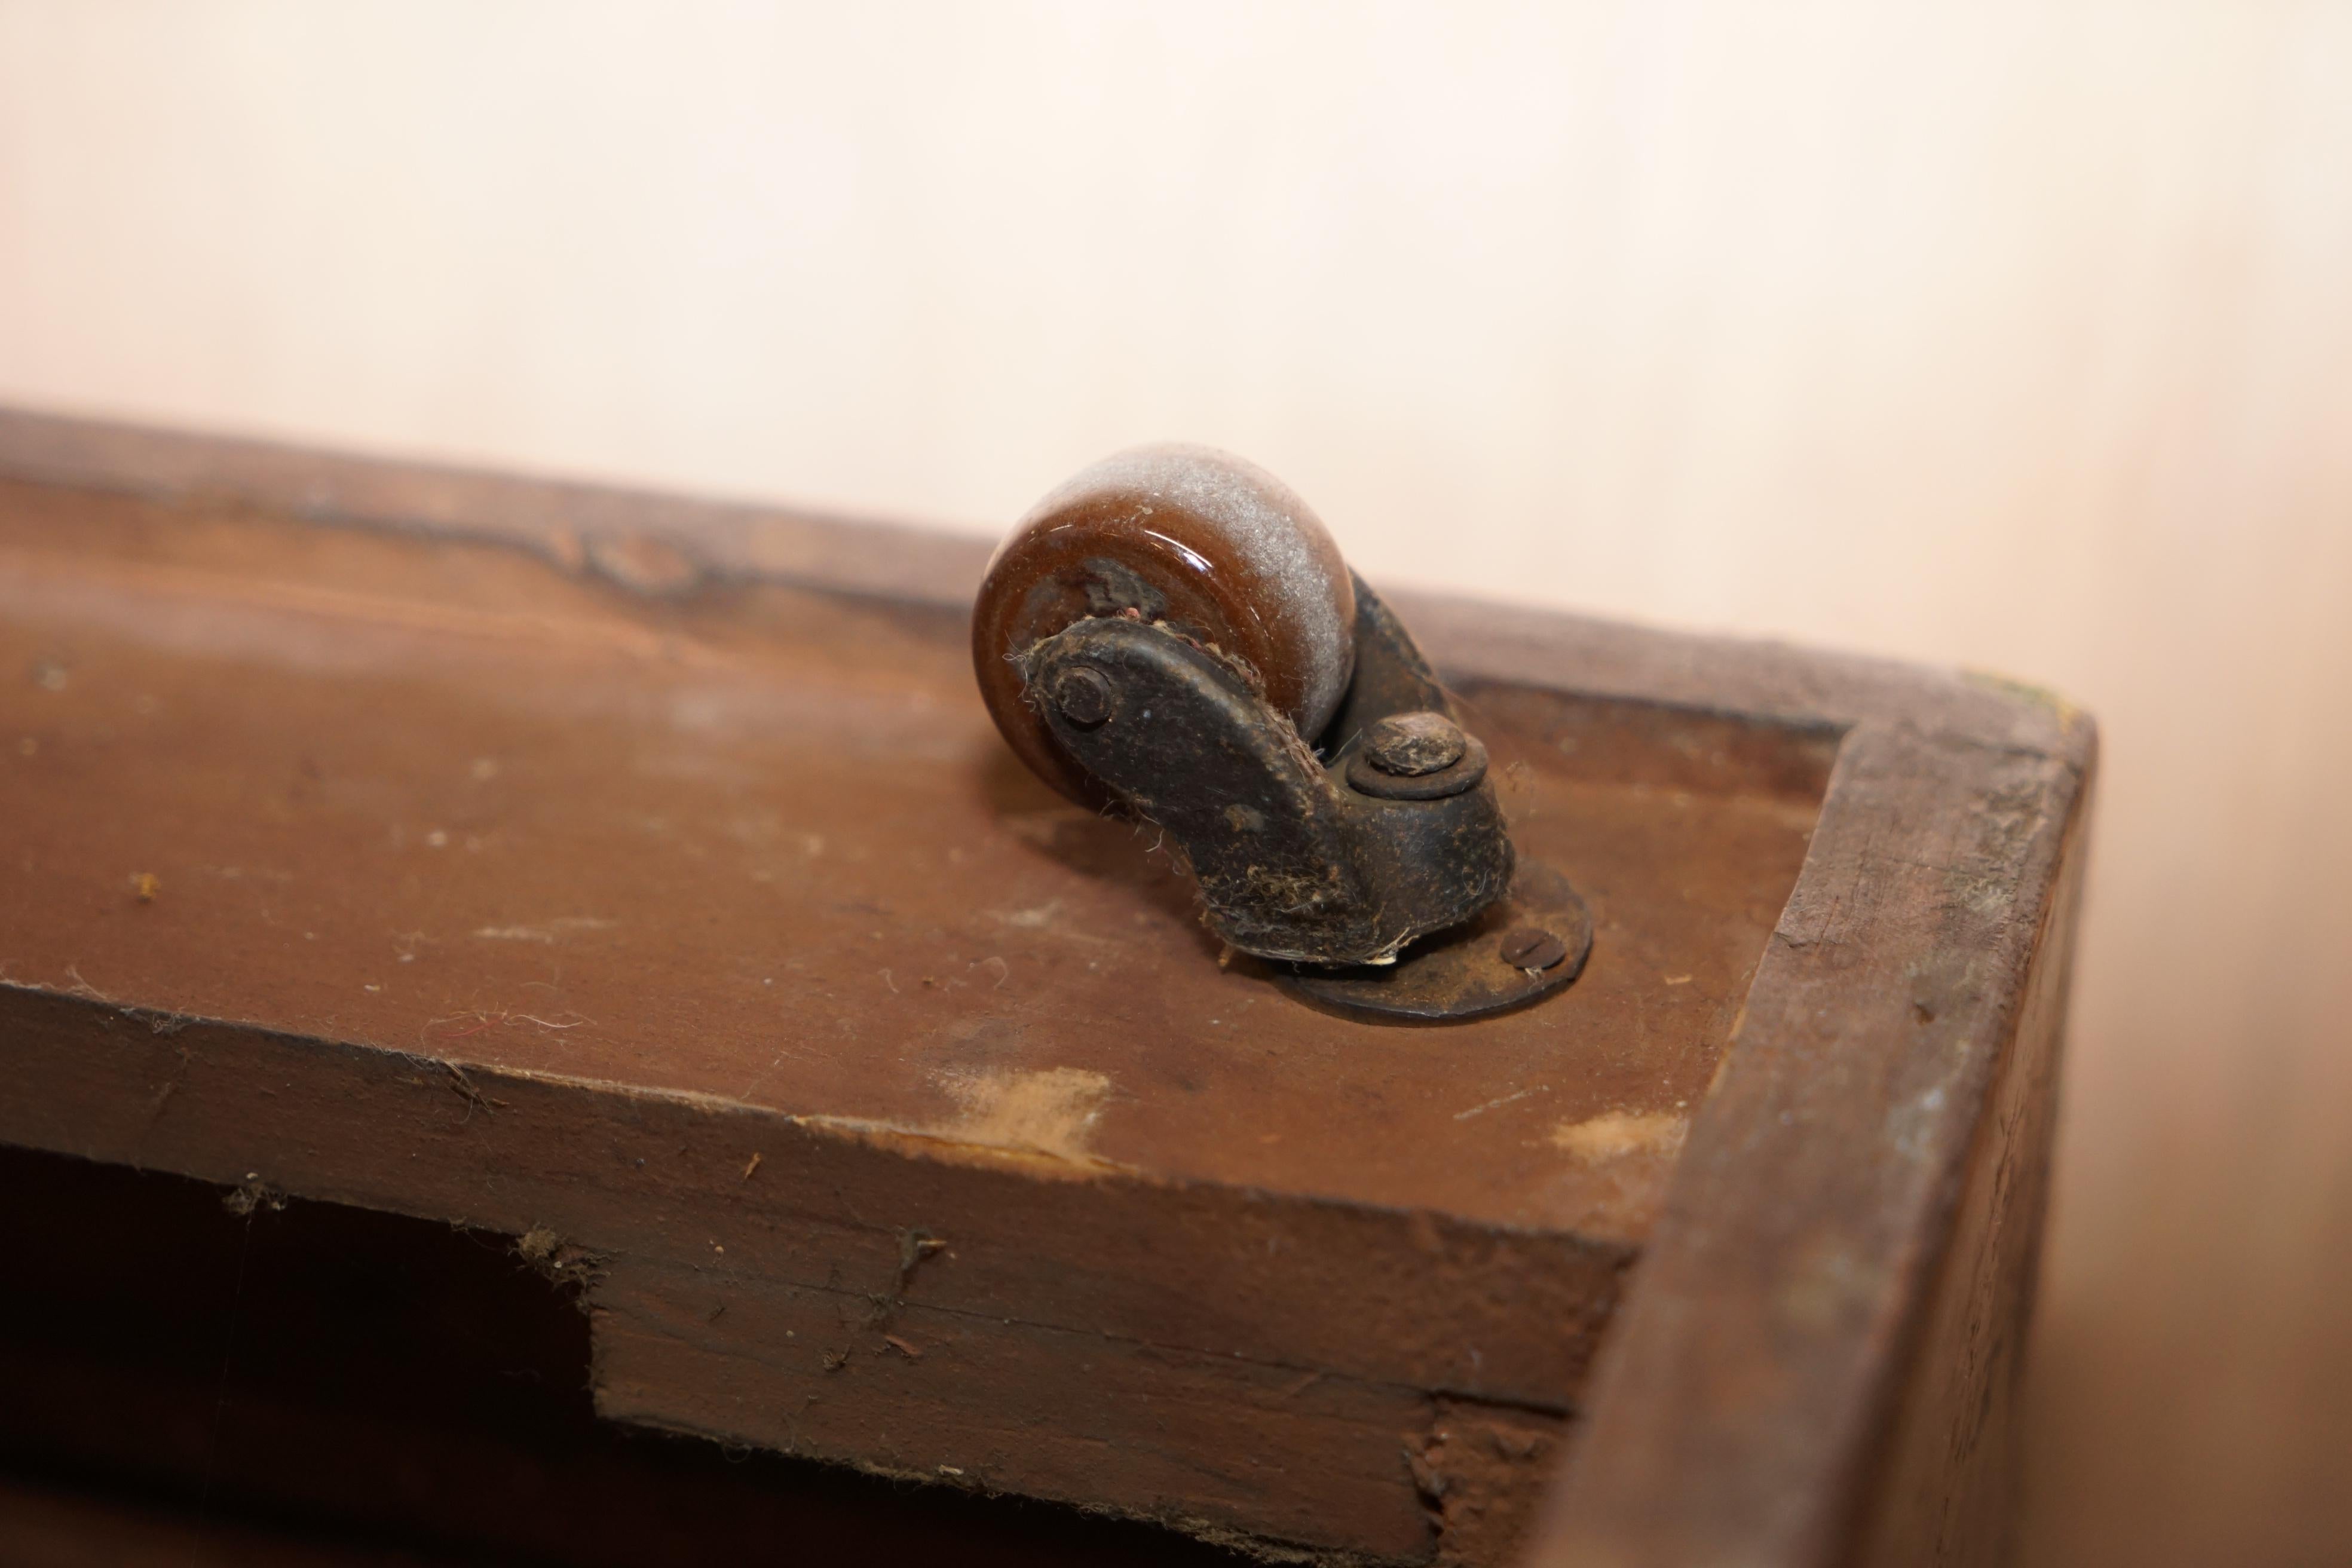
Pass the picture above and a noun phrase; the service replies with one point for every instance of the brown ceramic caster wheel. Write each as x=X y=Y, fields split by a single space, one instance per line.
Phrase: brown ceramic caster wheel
x=1192 y=538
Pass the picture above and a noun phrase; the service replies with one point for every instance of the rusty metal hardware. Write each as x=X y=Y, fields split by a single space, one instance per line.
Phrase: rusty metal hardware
x=1353 y=839
x=1294 y=860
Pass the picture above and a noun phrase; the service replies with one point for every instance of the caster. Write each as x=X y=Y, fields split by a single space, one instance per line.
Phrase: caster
x=1173 y=630
x=1185 y=539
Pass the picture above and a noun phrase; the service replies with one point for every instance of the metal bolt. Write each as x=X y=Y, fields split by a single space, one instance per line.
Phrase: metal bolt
x=1410 y=745
x=1531 y=947
x=1084 y=696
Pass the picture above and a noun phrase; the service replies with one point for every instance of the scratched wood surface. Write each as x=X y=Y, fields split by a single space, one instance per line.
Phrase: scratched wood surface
x=765 y=846
x=657 y=889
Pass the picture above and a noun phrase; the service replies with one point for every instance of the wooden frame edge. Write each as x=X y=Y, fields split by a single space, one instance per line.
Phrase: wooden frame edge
x=1736 y=1429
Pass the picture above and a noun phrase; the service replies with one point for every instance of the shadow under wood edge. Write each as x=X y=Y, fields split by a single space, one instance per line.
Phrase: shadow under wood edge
x=334 y=1372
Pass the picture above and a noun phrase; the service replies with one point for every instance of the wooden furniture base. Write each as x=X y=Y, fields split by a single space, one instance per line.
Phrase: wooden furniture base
x=642 y=880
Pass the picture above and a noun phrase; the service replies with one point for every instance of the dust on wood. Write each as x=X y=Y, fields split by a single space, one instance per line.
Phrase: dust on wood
x=250 y=1196
x=474 y=1098
x=914 y=1247
x=560 y=1262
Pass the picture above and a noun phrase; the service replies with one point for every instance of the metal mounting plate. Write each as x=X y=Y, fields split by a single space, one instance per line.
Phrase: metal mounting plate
x=1461 y=972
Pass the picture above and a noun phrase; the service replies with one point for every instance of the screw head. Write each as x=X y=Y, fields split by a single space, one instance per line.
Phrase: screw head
x=1409 y=745
x=1084 y=696
x=1530 y=947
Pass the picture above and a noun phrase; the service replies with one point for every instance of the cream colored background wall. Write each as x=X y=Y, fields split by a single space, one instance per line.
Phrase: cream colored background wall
x=2014 y=335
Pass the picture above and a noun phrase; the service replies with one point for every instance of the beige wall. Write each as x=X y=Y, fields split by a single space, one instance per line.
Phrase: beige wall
x=2014 y=335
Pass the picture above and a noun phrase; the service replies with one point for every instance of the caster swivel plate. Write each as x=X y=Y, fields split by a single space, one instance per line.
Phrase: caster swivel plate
x=1523 y=947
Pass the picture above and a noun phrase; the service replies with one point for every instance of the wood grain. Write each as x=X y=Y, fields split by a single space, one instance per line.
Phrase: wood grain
x=691 y=919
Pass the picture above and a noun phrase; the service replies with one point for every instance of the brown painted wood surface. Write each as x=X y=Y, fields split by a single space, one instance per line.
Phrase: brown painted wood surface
x=547 y=889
